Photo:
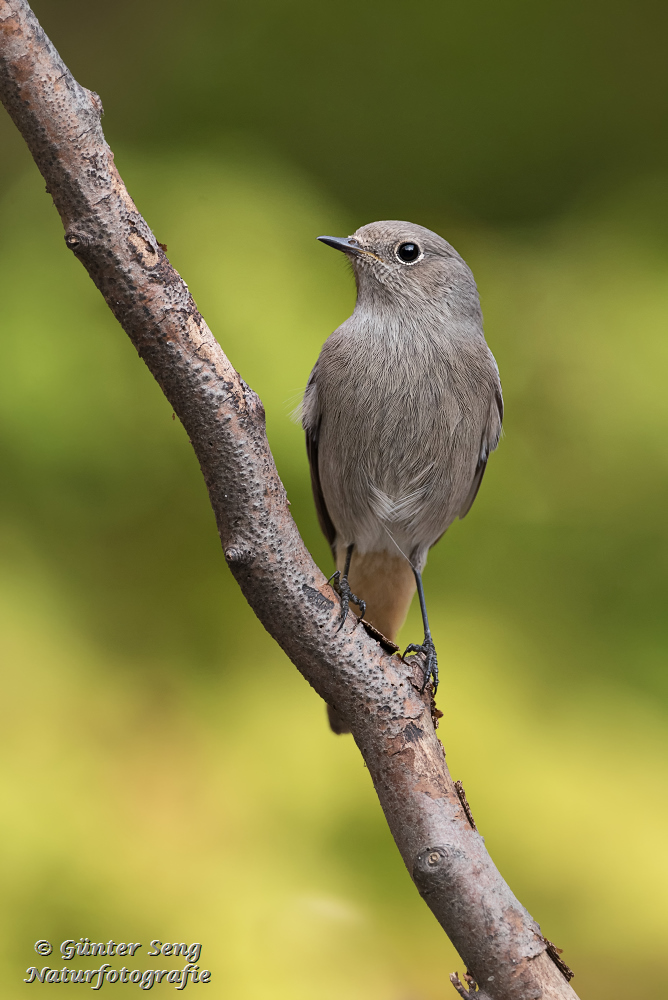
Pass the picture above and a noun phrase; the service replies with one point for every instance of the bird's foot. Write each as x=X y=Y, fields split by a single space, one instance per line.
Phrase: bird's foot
x=342 y=587
x=430 y=661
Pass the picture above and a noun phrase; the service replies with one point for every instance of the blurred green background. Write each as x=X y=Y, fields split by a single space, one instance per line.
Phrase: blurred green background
x=166 y=771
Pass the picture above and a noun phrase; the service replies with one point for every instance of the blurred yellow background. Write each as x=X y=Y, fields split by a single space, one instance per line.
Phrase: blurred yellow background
x=166 y=772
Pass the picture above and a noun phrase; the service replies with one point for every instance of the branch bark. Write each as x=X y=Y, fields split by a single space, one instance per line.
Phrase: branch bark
x=376 y=693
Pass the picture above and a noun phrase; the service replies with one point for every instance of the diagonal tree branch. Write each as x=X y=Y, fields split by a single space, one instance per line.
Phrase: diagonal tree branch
x=374 y=692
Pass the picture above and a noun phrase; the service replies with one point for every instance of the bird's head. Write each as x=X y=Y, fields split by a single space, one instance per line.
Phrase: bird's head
x=404 y=262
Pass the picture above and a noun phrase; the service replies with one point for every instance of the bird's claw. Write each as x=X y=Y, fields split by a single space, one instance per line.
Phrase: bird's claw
x=430 y=662
x=342 y=586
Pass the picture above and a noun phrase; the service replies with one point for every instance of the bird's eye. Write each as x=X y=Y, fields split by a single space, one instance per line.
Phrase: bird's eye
x=408 y=252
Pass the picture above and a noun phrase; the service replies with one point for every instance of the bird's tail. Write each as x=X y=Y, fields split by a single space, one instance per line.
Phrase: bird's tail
x=386 y=582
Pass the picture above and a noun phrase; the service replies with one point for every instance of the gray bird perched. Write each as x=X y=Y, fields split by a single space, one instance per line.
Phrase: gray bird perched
x=401 y=413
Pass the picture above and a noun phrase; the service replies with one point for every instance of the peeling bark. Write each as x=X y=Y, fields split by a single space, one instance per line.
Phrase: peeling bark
x=376 y=693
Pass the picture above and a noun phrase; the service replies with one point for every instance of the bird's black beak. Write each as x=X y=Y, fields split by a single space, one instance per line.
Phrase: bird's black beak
x=345 y=243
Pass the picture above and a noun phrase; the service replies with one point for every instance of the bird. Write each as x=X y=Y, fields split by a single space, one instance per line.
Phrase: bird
x=401 y=412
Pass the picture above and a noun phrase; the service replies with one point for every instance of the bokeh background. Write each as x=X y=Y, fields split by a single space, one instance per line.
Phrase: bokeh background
x=166 y=773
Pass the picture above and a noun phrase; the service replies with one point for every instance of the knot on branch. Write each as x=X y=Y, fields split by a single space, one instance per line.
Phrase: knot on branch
x=238 y=556
x=434 y=869
x=77 y=241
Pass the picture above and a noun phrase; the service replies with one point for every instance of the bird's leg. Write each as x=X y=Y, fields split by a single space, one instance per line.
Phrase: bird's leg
x=345 y=593
x=427 y=647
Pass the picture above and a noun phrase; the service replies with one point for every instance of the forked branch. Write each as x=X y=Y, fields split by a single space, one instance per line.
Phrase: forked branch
x=374 y=692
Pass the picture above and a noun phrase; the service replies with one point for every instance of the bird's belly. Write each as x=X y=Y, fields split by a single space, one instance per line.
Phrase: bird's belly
x=396 y=468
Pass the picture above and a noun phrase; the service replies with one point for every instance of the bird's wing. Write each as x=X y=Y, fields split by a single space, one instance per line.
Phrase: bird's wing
x=490 y=439
x=311 y=421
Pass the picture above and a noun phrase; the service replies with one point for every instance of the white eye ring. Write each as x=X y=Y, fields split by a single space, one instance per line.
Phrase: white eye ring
x=412 y=252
